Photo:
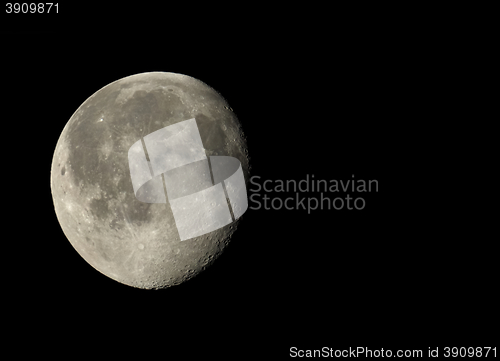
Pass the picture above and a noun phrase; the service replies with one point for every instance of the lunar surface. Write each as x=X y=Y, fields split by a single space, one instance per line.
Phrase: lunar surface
x=133 y=242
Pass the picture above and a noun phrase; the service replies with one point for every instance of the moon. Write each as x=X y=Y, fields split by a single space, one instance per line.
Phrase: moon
x=132 y=242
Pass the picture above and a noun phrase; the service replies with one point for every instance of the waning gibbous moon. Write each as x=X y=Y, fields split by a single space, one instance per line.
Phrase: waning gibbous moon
x=133 y=242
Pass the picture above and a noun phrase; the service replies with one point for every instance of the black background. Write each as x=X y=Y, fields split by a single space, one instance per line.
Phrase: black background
x=313 y=97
